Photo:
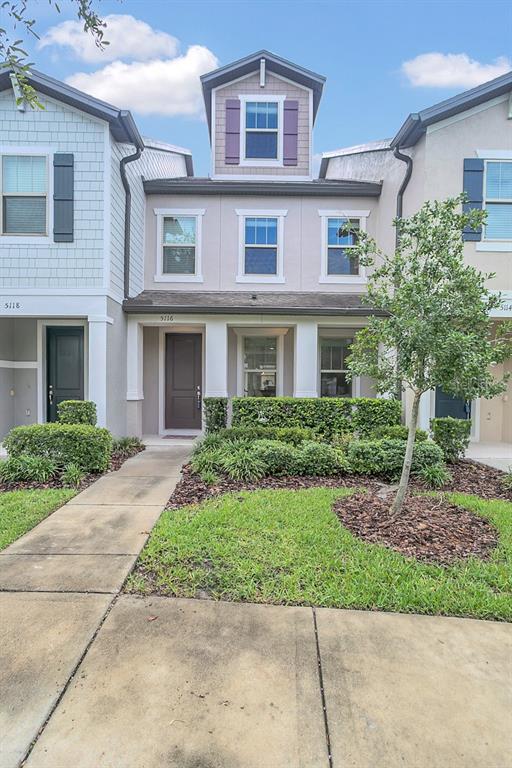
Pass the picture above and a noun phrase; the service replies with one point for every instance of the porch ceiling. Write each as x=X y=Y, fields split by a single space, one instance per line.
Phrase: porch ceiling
x=246 y=302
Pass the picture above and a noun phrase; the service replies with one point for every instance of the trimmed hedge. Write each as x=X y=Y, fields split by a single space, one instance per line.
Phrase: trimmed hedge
x=399 y=432
x=293 y=435
x=88 y=447
x=385 y=458
x=325 y=415
x=215 y=413
x=77 y=412
x=452 y=436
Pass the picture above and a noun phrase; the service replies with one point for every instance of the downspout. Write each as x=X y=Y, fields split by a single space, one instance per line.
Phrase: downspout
x=128 y=214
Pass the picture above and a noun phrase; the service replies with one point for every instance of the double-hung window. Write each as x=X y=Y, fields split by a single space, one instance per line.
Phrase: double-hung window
x=24 y=195
x=498 y=200
x=261 y=130
x=179 y=245
x=333 y=368
x=340 y=231
x=261 y=246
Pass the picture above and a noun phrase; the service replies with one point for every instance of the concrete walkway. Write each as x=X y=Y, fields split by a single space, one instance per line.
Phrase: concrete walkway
x=58 y=582
x=497 y=455
x=93 y=679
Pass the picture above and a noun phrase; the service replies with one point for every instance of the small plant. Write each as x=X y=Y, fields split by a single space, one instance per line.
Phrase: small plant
x=209 y=477
x=72 y=476
x=31 y=469
x=452 y=436
x=11 y=470
x=506 y=480
x=127 y=446
x=435 y=476
x=280 y=458
x=77 y=412
x=320 y=459
x=243 y=464
x=215 y=413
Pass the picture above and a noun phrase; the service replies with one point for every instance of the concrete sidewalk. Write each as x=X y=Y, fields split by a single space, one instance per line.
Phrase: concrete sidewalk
x=497 y=455
x=58 y=581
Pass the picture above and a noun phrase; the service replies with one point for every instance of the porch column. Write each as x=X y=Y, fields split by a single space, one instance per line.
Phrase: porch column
x=134 y=376
x=98 y=326
x=305 y=382
x=216 y=358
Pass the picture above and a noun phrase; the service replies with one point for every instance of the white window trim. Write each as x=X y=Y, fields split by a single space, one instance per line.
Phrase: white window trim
x=488 y=243
x=359 y=279
x=27 y=239
x=241 y=333
x=160 y=275
x=253 y=162
x=242 y=214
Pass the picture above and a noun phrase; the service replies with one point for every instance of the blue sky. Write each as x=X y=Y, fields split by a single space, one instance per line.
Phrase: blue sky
x=360 y=47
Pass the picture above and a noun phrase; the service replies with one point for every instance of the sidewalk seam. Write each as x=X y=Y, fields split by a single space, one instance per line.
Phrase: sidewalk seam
x=322 y=690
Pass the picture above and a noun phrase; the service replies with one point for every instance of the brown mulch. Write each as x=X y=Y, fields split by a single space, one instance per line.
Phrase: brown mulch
x=478 y=479
x=116 y=462
x=429 y=528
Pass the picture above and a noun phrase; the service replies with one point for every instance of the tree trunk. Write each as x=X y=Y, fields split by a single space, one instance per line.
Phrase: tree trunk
x=398 y=503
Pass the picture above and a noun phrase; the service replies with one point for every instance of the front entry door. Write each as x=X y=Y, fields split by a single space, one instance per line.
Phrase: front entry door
x=448 y=405
x=65 y=367
x=183 y=381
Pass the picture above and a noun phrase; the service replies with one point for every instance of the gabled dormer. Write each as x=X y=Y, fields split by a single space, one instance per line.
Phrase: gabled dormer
x=261 y=111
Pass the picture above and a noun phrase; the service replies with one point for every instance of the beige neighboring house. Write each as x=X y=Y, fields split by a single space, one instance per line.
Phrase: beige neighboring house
x=126 y=279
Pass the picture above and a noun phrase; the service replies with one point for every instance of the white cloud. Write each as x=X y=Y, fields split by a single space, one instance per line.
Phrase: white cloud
x=162 y=86
x=452 y=70
x=128 y=37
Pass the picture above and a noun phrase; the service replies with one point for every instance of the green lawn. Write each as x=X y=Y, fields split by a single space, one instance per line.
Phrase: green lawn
x=282 y=546
x=21 y=510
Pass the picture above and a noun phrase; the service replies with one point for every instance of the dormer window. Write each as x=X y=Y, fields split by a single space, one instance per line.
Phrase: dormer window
x=261 y=129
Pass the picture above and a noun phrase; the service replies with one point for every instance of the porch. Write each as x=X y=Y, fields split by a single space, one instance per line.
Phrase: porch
x=176 y=361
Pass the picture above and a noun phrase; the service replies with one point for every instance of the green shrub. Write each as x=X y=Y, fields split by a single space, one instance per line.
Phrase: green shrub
x=215 y=413
x=280 y=458
x=452 y=436
x=342 y=440
x=435 y=476
x=72 y=476
x=320 y=459
x=25 y=468
x=293 y=435
x=82 y=444
x=127 y=446
x=77 y=412
x=207 y=460
x=243 y=464
x=385 y=458
x=398 y=432
x=324 y=415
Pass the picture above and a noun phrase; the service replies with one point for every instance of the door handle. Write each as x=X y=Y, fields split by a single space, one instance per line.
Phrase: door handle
x=198 y=398
x=50 y=393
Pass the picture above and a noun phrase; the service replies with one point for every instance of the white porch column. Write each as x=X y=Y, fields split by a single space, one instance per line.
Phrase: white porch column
x=134 y=376
x=305 y=383
x=97 y=354
x=424 y=411
x=216 y=358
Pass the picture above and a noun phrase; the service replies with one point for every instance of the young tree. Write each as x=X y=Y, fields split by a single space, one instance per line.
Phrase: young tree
x=12 y=54
x=435 y=330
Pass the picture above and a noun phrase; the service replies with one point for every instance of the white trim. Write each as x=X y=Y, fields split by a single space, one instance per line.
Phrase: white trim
x=262 y=73
x=494 y=154
x=107 y=206
x=325 y=335
x=241 y=334
x=60 y=292
x=259 y=177
x=162 y=277
x=467 y=113
x=496 y=246
x=493 y=244
x=244 y=213
x=23 y=238
x=346 y=213
x=18 y=364
x=253 y=162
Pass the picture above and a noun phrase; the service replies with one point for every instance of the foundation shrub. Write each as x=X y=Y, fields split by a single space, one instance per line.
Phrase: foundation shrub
x=88 y=447
x=77 y=412
x=215 y=413
x=452 y=436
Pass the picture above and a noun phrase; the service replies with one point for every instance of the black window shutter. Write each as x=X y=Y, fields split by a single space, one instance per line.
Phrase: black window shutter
x=474 y=188
x=63 y=187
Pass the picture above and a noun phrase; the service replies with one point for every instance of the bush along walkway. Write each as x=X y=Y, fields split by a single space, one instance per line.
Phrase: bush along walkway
x=59 y=581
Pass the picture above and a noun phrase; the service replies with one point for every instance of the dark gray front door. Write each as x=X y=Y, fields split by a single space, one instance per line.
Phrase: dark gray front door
x=65 y=366
x=447 y=405
x=183 y=381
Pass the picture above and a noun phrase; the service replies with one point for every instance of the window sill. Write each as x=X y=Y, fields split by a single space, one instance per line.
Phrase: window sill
x=343 y=279
x=495 y=246
x=178 y=279
x=261 y=163
x=27 y=240
x=259 y=279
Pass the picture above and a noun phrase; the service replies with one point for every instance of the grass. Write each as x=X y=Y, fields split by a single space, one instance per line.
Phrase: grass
x=22 y=510
x=288 y=547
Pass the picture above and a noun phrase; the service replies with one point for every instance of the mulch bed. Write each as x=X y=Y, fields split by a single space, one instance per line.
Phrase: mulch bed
x=478 y=479
x=429 y=528
x=116 y=462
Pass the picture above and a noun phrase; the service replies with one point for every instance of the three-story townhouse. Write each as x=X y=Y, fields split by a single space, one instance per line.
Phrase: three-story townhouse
x=68 y=220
